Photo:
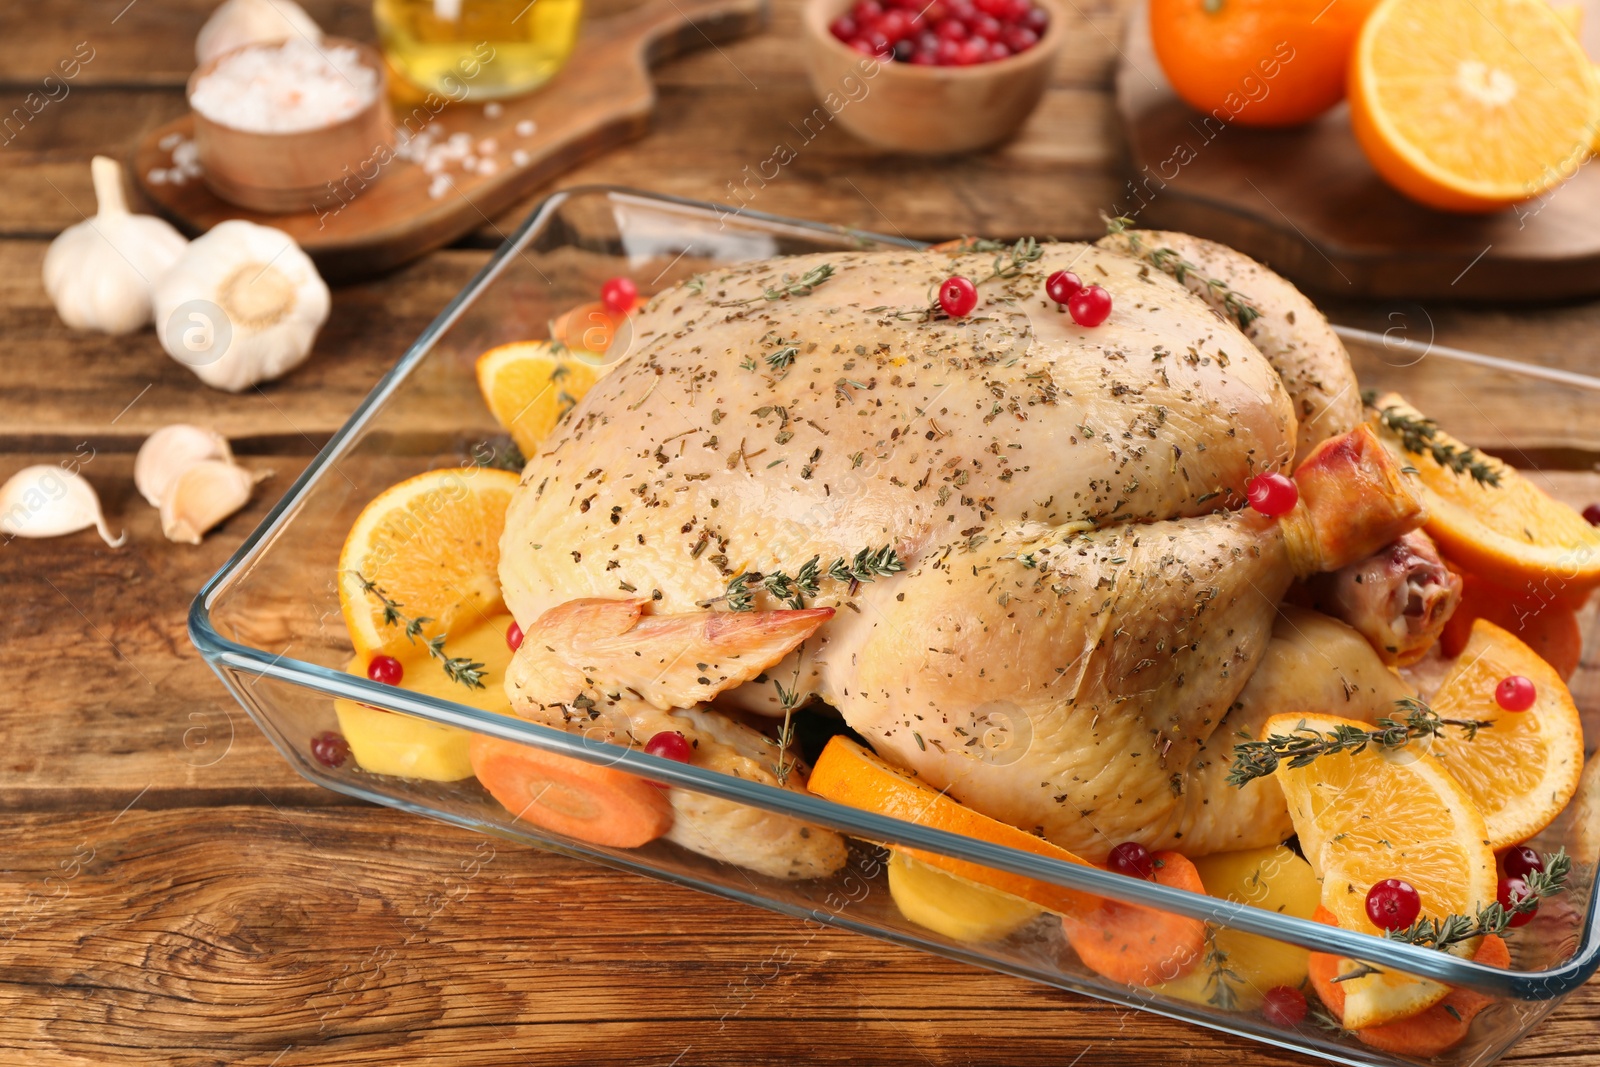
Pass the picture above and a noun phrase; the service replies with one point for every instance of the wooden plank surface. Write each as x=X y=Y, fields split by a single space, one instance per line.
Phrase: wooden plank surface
x=170 y=893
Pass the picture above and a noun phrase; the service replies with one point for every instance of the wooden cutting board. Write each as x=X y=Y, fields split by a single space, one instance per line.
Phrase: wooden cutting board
x=1307 y=202
x=601 y=98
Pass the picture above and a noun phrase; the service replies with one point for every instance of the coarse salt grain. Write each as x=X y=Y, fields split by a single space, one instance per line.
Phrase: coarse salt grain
x=492 y=110
x=285 y=88
x=488 y=146
x=438 y=187
x=526 y=127
x=166 y=143
x=520 y=158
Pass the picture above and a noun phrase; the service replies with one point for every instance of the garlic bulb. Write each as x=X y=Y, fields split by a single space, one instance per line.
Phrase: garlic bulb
x=172 y=450
x=99 y=272
x=49 y=501
x=237 y=23
x=242 y=305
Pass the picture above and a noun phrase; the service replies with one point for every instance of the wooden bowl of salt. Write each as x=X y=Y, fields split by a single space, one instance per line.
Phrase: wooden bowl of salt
x=292 y=126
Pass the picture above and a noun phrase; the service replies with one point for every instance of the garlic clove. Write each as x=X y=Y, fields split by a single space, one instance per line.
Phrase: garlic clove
x=50 y=501
x=237 y=23
x=99 y=272
x=172 y=450
x=242 y=305
x=202 y=496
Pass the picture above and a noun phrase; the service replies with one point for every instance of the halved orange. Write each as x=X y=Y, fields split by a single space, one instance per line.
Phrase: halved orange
x=430 y=545
x=1523 y=769
x=848 y=774
x=1512 y=533
x=1364 y=817
x=531 y=385
x=1472 y=107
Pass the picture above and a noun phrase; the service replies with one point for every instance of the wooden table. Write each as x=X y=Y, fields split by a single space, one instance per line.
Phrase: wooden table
x=170 y=892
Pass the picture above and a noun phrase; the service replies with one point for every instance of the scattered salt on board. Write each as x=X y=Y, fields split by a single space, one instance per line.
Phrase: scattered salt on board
x=285 y=88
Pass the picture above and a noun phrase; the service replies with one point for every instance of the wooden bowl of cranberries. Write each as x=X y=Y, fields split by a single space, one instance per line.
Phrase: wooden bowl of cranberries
x=930 y=78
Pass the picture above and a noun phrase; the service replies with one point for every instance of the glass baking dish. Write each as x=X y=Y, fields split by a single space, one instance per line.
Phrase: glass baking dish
x=269 y=624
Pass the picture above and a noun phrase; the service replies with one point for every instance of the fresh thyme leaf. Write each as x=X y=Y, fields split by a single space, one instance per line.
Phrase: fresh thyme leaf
x=792 y=286
x=1257 y=759
x=1420 y=436
x=459 y=669
x=783 y=358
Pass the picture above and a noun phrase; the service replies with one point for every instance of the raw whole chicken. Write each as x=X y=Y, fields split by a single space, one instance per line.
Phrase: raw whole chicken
x=1009 y=549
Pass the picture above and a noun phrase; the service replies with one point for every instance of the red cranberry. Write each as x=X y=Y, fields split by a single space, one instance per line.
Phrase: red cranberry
x=973 y=50
x=925 y=57
x=935 y=12
x=952 y=30
x=1515 y=693
x=958 y=296
x=985 y=26
x=1020 y=38
x=997 y=8
x=998 y=51
x=868 y=11
x=1037 y=19
x=903 y=51
x=845 y=28
x=330 y=749
x=1016 y=11
x=1284 y=1006
x=513 y=637
x=1592 y=514
x=1508 y=892
x=1393 y=904
x=1061 y=285
x=1520 y=861
x=948 y=53
x=668 y=744
x=619 y=295
x=895 y=25
x=1132 y=859
x=1090 y=306
x=1272 y=494
x=385 y=669
x=877 y=41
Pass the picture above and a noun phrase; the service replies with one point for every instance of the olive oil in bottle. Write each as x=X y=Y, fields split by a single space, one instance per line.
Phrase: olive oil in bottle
x=477 y=49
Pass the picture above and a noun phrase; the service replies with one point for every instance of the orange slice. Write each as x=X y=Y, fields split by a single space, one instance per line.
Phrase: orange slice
x=1363 y=817
x=848 y=774
x=1512 y=533
x=1472 y=107
x=1524 y=769
x=431 y=545
x=530 y=385
x=1429 y=1033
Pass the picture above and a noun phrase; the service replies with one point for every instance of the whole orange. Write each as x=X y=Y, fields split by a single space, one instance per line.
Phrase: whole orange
x=1257 y=62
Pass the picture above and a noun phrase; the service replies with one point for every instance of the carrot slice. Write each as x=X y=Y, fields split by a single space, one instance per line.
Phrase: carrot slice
x=1544 y=624
x=848 y=774
x=1436 y=1029
x=1138 y=945
x=600 y=805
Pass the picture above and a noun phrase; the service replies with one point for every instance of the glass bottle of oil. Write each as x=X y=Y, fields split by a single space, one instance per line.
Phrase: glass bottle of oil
x=477 y=49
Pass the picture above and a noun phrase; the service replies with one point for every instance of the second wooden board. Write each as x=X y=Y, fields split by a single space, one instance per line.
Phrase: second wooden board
x=1307 y=202
x=602 y=98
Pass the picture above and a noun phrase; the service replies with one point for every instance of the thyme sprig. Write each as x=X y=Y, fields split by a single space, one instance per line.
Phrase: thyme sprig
x=804 y=285
x=1254 y=759
x=1492 y=918
x=1240 y=307
x=460 y=669
x=1220 y=978
x=1010 y=261
x=782 y=358
x=1419 y=435
x=793 y=590
x=790 y=699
